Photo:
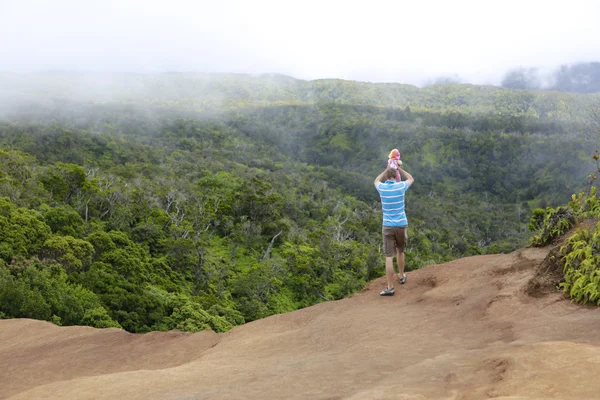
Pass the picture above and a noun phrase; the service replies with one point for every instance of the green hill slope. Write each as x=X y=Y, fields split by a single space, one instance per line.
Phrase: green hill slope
x=216 y=92
x=183 y=201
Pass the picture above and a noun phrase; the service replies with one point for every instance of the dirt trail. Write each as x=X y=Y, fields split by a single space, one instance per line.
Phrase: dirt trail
x=461 y=330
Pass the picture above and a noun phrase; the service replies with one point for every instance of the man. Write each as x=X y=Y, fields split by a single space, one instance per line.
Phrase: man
x=395 y=224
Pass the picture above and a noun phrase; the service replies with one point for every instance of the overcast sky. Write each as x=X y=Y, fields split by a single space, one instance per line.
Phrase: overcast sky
x=369 y=40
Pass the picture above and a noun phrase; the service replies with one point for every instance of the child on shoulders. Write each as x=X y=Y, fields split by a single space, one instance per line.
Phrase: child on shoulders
x=394 y=162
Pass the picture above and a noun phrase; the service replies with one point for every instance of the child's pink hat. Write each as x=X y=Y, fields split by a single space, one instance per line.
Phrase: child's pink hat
x=395 y=154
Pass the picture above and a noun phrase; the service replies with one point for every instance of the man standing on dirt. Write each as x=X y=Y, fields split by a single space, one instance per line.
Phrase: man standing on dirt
x=395 y=224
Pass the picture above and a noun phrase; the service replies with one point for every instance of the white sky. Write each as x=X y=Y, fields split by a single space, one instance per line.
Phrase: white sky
x=371 y=40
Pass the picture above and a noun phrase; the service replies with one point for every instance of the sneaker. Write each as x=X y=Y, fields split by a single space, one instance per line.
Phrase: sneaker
x=403 y=279
x=387 y=292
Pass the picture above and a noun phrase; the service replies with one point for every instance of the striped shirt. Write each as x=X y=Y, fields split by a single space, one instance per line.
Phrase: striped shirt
x=392 y=202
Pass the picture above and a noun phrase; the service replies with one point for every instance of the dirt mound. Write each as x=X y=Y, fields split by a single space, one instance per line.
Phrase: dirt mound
x=548 y=275
x=466 y=329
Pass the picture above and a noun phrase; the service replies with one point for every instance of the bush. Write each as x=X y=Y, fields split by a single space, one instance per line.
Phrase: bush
x=582 y=266
x=550 y=224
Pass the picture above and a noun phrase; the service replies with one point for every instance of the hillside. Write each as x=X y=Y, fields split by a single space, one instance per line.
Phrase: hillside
x=117 y=194
x=472 y=328
x=217 y=93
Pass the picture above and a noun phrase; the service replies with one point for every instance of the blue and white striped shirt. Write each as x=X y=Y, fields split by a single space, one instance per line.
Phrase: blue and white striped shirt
x=392 y=202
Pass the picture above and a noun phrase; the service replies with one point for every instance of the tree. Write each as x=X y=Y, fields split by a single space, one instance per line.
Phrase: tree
x=522 y=78
x=580 y=77
x=64 y=180
x=22 y=231
x=73 y=254
x=63 y=220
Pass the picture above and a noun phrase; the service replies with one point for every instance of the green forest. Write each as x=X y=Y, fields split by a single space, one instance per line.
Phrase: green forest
x=191 y=202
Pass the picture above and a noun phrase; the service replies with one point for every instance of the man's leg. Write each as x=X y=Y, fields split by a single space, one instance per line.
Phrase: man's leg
x=401 y=238
x=400 y=261
x=389 y=271
x=389 y=247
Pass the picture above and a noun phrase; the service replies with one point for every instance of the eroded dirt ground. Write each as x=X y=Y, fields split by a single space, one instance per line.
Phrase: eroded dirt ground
x=468 y=329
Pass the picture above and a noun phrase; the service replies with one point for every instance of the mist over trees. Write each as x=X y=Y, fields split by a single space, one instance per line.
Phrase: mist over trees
x=576 y=78
x=582 y=78
x=445 y=80
x=522 y=78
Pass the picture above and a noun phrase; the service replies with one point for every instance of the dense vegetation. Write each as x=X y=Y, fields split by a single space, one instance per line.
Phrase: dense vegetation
x=149 y=94
x=151 y=215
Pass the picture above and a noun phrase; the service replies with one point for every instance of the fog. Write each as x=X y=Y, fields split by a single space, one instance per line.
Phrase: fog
x=377 y=41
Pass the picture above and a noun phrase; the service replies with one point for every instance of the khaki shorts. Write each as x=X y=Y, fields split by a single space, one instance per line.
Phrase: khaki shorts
x=394 y=239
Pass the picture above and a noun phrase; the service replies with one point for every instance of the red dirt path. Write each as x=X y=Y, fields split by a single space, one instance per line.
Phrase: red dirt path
x=462 y=330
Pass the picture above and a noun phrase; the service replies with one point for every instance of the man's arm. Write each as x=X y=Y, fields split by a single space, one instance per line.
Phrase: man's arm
x=407 y=177
x=379 y=179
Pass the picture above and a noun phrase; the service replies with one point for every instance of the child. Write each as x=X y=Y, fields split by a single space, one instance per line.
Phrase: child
x=394 y=162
